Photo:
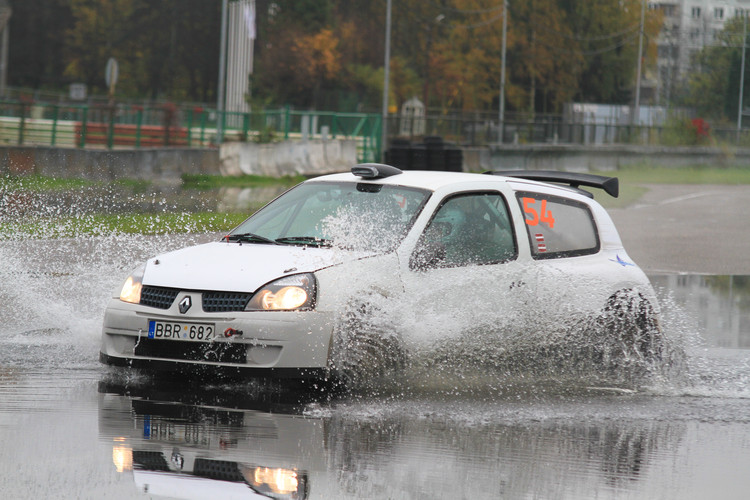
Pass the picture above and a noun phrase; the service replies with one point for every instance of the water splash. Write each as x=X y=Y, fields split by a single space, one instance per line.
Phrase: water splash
x=57 y=273
x=54 y=291
x=705 y=370
x=428 y=344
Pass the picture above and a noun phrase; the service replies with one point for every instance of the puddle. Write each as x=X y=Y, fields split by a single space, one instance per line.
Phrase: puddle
x=72 y=429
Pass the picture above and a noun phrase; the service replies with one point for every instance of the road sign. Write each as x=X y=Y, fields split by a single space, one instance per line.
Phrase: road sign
x=78 y=91
x=111 y=72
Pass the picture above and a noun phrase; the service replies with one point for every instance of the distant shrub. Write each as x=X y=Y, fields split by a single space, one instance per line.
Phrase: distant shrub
x=681 y=131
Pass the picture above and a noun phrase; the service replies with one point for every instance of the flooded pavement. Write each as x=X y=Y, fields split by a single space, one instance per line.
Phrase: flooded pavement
x=72 y=428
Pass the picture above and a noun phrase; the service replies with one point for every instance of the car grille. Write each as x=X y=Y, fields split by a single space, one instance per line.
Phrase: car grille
x=159 y=297
x=221 y=470
x=162 y=298
x=192 y=351
x=225 y=301
x=150 y=460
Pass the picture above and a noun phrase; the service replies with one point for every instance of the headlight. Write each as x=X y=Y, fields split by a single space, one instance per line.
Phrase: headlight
x=277 y=483
x=122 y=455
x=286 y=294
x=131 y=289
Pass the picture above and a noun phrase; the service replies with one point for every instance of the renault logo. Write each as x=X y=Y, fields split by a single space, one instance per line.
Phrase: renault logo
x=185 y=304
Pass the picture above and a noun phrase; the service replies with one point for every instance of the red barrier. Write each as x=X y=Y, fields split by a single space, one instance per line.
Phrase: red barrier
x=127 y=135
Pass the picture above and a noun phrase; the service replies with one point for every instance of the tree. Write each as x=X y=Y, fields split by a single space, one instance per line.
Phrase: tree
x=546 y=59
x=165 y=49
x=317 y=60
x=285 y=27
x=714 y=82
x=36 y=55
x=96 y=35
x=606 y=32
x=329 y=53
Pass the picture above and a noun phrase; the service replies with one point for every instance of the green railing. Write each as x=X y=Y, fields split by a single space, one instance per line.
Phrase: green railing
x=127 y=126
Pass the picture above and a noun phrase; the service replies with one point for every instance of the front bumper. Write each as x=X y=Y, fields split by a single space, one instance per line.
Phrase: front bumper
x=273 y=344
x=215 y=370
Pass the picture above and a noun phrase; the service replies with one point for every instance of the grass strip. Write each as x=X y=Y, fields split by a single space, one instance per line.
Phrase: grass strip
x=702 y=174
x=104 y=224
x=40 y=183
x=634 y=180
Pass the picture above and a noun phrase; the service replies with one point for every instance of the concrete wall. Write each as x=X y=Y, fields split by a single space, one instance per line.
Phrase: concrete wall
x=582 y=158
x=310 y=157
x=165 y=164
x=319 y=157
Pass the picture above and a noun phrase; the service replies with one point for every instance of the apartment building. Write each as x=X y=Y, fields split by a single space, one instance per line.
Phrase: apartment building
x=689 y=25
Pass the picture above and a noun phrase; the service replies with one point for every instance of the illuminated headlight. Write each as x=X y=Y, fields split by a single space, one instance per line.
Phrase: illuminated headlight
x=122 y=456
x=277 y=483
x=286 y=294
x=131 y=289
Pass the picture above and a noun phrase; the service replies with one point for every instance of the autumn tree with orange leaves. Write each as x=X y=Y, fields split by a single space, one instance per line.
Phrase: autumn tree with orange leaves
x=317 y=59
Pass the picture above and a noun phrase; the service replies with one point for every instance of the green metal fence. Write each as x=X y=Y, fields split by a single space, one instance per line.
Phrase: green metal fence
x=127 y=126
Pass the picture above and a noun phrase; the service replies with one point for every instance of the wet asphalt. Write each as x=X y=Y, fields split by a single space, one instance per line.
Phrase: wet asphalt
x=696 y=229
x=64 y=426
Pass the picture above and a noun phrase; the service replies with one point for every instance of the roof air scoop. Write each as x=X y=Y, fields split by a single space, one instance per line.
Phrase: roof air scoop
x=374 y=170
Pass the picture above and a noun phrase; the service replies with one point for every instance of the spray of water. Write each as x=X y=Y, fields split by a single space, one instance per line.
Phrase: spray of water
x=54 y=290
x=462 y=340
x=702 y=370
x=58 y=269
x=433 y=345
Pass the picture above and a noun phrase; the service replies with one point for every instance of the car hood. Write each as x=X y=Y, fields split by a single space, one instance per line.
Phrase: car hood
x=230 y=266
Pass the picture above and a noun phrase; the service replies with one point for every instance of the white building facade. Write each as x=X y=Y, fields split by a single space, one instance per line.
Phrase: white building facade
x=689 y=26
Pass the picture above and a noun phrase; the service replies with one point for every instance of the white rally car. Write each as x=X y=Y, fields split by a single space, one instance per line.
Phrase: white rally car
x=291 y=291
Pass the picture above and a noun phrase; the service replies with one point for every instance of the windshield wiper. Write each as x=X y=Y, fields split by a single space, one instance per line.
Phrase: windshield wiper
x=304 y=240
x=250 y=238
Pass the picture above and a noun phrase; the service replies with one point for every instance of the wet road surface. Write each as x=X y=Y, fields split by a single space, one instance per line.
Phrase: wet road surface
x=70 y=428
x=688 y=229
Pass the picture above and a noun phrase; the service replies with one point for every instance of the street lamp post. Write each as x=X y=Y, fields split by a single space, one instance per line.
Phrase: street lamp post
x=742 y=75
x=636 y=108
x=386 y=77
x=501 y=117
x=222 y=73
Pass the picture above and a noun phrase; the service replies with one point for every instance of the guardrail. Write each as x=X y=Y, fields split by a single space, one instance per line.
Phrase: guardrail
x=481 y=129
x=128 y=126
x=125 y=126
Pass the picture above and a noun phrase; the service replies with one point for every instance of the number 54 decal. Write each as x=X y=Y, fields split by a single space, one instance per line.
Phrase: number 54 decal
x=534 y=217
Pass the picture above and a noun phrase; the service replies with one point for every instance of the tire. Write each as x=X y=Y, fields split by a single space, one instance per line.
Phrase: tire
x=363 y=353
x=630 y=323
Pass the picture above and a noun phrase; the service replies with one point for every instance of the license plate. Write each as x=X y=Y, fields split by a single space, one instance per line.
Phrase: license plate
x=177 y=330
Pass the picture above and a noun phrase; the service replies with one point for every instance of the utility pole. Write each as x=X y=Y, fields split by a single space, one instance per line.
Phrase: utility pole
x=501 y=117
x=222 y=75
x=386 y=77
x=742 y=75
x=5 y=13
x=636 y=108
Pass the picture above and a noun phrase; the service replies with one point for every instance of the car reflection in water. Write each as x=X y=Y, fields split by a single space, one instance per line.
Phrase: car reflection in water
x=236 y=443
x=193 y=451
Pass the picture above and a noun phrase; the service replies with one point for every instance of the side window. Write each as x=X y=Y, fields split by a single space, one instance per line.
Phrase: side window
x=558 y=227
x=470 y=228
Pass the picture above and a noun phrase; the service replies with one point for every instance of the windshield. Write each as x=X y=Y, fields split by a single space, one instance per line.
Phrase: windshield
x=356 y=216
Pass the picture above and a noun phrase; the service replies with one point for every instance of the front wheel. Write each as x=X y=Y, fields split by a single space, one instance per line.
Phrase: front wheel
x=364 y=351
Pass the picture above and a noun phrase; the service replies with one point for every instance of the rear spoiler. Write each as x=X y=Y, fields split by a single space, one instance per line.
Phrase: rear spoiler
x=610 y=185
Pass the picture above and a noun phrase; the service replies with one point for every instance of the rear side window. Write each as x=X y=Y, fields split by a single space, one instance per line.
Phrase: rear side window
x=558 y=227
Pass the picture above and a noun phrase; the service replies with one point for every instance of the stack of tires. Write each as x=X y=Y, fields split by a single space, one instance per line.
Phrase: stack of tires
x=398 y=154
x=431 y=154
